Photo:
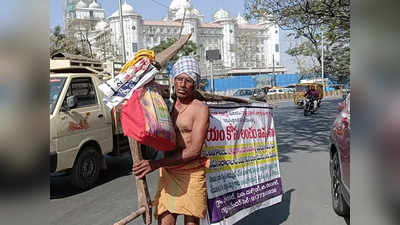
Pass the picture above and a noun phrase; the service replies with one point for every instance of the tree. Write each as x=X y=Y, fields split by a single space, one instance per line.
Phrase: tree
x=203 y=84
x=190 y=48
x=60 y=43
x=307 y=20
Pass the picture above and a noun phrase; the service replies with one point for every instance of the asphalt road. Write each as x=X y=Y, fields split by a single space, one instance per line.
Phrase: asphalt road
x=304 y=159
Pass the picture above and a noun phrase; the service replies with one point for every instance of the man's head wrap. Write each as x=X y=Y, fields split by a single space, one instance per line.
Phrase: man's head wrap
x=190 y=66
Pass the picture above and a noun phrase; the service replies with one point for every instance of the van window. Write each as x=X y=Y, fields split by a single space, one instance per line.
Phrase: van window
x=56 y=86
x=84 y=90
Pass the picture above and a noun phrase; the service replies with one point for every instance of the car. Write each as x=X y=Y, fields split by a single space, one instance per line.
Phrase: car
x=260 y=94
x=275 y=91
x=245 y=93
x=345 y=92
x=288 y=90
x=339 y=163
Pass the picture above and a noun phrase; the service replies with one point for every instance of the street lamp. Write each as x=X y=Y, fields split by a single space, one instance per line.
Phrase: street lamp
x=122 y=30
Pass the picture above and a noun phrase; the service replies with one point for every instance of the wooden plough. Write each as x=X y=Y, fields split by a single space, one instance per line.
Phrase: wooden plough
x=144 y=201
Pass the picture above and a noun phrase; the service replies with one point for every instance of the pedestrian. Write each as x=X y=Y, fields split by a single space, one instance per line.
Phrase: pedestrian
x=182 y=185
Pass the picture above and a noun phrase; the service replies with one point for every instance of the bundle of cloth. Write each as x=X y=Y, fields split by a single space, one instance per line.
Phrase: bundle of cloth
x=144 y=114
x=134 y=74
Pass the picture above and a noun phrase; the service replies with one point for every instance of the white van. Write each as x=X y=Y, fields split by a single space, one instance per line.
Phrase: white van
x=82 y=129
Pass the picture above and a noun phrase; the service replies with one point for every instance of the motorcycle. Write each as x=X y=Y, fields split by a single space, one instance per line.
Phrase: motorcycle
x=310 y=107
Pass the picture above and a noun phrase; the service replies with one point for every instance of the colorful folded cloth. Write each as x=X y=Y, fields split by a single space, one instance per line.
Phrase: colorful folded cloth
x=126 y=90
x=111 y=86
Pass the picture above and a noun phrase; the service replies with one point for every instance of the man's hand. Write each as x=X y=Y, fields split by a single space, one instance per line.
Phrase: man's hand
x=141 y=168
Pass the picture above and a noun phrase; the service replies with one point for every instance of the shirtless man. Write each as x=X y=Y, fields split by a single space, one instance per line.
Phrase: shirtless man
x=182 y=187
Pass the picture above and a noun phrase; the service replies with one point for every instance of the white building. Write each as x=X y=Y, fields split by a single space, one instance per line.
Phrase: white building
x=244 y=48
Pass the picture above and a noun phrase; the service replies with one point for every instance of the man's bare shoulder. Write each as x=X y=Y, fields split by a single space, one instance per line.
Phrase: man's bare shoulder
x=199 y=105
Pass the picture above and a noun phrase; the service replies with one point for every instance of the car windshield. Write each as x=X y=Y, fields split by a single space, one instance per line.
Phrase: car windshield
x=302 y=88
x=56 y=85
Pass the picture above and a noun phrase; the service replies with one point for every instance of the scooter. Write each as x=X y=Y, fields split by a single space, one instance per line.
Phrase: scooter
x=310 y=106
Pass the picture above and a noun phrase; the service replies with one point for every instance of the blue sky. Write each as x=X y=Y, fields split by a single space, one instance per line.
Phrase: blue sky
x=157 y=9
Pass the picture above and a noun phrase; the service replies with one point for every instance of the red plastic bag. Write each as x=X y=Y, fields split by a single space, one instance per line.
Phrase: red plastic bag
x=145 y=118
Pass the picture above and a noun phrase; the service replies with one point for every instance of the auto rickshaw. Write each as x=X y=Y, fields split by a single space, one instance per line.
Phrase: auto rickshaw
x=301 y=90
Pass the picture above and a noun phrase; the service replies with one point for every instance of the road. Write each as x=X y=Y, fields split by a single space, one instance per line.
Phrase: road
x=304 y=159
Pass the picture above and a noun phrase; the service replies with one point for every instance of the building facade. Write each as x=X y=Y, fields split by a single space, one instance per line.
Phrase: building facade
x=244 y=47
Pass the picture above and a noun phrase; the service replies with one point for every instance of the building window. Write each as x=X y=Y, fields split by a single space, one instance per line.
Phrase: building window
x=91 y=14
x=133 y=27
x=276 y=47
x=134 y=47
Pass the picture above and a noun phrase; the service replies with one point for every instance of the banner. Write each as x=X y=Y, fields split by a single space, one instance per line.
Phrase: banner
x=243 y=175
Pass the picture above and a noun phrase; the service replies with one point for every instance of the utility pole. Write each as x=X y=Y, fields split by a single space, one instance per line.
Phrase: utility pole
x=212 y=77
x=122 y=30
x=273 y=70
x=322 y=54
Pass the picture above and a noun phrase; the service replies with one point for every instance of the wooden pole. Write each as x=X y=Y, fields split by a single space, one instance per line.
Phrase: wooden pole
x=144 y=201
x=131 y=217
x=141 y=184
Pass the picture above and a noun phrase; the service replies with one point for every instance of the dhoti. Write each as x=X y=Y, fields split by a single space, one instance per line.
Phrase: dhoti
x=182 y=190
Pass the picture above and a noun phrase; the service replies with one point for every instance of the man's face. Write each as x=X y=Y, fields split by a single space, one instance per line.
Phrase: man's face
x=184 y=86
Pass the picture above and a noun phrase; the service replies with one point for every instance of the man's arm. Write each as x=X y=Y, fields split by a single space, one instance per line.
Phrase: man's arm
x=199 y=132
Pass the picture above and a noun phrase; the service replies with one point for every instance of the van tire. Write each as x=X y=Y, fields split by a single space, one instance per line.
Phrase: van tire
x=86 y=169
x=339 y=205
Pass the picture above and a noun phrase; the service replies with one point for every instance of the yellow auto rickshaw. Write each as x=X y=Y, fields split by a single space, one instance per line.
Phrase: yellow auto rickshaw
x=301 y=90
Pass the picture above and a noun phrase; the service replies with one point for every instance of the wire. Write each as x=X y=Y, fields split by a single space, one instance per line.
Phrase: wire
x=159 y=3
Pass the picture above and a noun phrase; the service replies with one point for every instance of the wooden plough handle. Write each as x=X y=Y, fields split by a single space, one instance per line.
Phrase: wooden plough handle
x=144 y=201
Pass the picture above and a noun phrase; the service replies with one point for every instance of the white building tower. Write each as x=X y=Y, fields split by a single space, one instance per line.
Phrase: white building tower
x=133 y=26
x=272 y=46
x=191 y=22
x=228 y=51
x=175 y=6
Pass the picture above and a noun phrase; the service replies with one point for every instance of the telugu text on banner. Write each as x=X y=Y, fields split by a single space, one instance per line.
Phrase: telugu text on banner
x=243 y=175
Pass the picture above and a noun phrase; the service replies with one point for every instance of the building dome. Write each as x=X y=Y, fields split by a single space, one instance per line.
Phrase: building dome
x=179 y=14
x=81 y=4
x=126 y=10
x=94 y=5
x=102 y=25
x=190 y=13
x=241 y=20
x=196 y=12
x=221 y=15
x=177 y=4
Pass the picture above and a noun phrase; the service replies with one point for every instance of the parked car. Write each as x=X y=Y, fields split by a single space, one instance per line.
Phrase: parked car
x=345 y=92
x=339 y=163
x=288 y=90
x=245 y=93
x=275 y=91
x=260 y=94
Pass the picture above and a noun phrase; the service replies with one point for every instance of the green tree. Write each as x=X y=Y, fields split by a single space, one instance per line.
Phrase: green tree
x=203 y=84
x=190 y=48
x=60 y=43
x=307 y=20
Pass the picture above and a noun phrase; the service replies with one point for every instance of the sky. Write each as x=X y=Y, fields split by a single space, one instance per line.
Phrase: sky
x=157 y=9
